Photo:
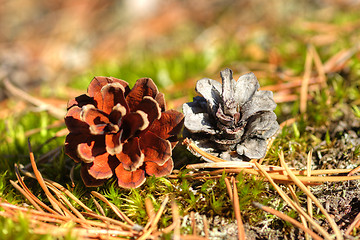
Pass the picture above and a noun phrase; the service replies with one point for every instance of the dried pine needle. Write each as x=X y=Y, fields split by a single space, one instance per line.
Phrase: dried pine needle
x=313 y=198
x=51 y=221
x=288 y=219
x=241 y=229
x=293 y=205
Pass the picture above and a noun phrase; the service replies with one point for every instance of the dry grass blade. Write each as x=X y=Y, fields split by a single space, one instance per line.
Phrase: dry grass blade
x=288 y=219
x=308 y=174
x=232 y=164
x=293 y=205
x=158 y=214
x=46 y=221
x=313 y=198
x=117 y=211
x=322 y=172
x=292 y=84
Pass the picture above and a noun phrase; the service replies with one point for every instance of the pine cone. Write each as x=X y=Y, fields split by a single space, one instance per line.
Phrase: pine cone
x=232 y=120
x=121 y=132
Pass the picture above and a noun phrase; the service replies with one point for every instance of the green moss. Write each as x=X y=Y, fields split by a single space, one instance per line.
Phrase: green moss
x=21 y=229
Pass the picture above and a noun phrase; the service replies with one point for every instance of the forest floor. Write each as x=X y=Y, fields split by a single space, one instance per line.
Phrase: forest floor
x=307 y=53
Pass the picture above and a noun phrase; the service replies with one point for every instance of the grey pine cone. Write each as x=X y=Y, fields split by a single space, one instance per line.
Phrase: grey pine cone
x=232 y=120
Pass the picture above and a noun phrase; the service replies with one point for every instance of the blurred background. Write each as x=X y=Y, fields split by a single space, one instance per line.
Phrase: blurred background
x=56 y=47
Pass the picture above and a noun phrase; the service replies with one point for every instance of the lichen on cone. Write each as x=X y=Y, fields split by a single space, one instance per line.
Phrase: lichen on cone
x=121 y=132
x=232 y=120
